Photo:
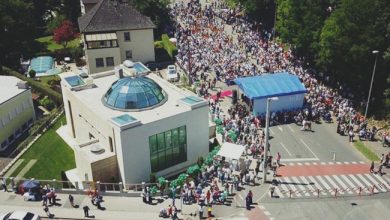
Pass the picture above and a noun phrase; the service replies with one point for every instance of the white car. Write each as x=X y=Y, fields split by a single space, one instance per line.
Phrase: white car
x=172 y=75
x=19 y=215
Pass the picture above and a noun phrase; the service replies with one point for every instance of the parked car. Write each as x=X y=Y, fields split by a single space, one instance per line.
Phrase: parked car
x=172 y=75
x=19 y=215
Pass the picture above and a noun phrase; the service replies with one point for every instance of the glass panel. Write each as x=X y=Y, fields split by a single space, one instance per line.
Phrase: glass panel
x=161 y=151
x=168 y=151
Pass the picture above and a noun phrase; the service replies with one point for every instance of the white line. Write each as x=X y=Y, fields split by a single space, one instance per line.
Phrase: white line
x=261 y=207
x=239 y=195
x=299 y=159
x=291 y=164
x=382 y=181
x=354 y=162
x=333 y=184
x=267 y=213
x=299 y=164
x=338 y=162
x=307 y=163
x=291 y=185
x=308 y=185
x=285 y=148
x=309 y=148
x=358 y=182
x=361 y=162
x=366 y=182
x=317 y=185
x=314 y=163
x=323 y=182
x=323 y=163
x=280 y=128
x=330 y=163
x=284 y=187
x=271 y=132
x=339 y=181
x=376 y=183
x=280 y=194
x=292 y=130
x=345 y=162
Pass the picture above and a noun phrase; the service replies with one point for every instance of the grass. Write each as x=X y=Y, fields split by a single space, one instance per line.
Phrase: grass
x=52 y=46
x=365 y=151
x=19 y=168
x=52 y=153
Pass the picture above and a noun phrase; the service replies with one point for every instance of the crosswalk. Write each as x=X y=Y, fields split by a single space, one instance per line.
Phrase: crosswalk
x=331 y=185
x=286 y=163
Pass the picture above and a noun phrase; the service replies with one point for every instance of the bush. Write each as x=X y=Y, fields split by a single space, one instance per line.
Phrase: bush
x=159 y=44
x=47 y=103
x=153 y=178
x=169 y=46
x=200 y=161
x=80 y=62
x=38 y=86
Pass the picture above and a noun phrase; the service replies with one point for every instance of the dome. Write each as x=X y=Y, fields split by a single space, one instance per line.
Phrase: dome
x=134 y=93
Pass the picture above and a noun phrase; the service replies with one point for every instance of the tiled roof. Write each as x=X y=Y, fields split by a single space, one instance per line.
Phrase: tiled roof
x=111 y=15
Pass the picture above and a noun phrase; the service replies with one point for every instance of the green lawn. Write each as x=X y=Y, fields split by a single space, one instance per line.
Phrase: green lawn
x=365 y=151
x=52 y=153
x=52 y=46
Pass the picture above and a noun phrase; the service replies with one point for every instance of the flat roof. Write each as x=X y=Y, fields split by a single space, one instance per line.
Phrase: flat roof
x=92 y=98
x=8 y=88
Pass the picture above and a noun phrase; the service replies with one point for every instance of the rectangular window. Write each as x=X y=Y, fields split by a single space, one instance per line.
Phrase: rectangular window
x=99 y=62
x=25 y=126
x=129 y=54
x=111 y=144
x=11 y=138
x=168 y=148
x=4 y=144
x=109 y=61
x=126 y=36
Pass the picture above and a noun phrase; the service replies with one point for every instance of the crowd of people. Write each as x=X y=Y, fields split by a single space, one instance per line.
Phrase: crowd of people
x=206 y=45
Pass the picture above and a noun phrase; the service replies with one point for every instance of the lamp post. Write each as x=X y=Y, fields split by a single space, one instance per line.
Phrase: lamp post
x=372 y=81
x=266 y=148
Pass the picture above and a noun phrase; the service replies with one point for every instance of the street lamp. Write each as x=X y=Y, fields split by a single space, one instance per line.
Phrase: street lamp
x=266 y=148
x=372 y=80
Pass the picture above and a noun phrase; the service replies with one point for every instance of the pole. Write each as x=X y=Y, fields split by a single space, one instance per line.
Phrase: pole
x=372 y=81
x=266 y=142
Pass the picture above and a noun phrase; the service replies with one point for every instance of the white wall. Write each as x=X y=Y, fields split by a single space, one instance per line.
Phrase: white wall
x=92 y=54
x=135 y=164
x=141 y=45
x=284 y=103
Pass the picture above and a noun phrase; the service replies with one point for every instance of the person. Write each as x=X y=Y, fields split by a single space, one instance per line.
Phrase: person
x=44 y=200
x=372 y=167
x=200 y=208
x=250 y=196
x=248 y=202
x=71 y=200
x=86 y=209
x=272 y=190
x=170 y=210
x=350 y=134
x=209 y=215
x=4 y=184
x=278 y=157
x=46 y=209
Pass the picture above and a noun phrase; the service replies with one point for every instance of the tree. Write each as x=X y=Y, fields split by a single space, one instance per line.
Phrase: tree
x=64 y=33
x=32 y=73
x=55 y=22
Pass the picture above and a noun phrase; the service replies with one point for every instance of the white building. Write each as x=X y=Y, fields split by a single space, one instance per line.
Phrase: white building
x=114 y=31
x=16 y=110
x=127 y=127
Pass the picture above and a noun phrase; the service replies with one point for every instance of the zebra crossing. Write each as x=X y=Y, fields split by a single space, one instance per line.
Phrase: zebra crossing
x=322 y=163
x=331 y=185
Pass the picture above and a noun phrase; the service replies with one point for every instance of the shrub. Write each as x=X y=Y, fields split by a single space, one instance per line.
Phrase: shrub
x=169 y=46
x=200 y=161
x=158 y=44
x=32 y=73
x=47 y=103
x=153 y=178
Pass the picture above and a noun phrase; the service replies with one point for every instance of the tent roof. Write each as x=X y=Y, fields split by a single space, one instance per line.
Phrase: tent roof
x=270 y=85
x=231 y=151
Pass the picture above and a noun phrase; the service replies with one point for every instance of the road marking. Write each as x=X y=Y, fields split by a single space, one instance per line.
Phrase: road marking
x=261 y=207
x=349 y=183
x=361 y=162
x=359 y=184
x=330 y=163
x=323 y=182
x=299 y=159
x=285 y=148
x=345 y=162
x=335 y=186
x=309 y=148
x=368 y=184
x=267 y=213
x=368 y=176
x=338 y=162
x=302 y=188
x=381 y=180
x=277 y=190
x=292 y=130
x=323 y=163
x=239 y=195
x=271 y=132
x=291 y=164
x=354 y=162
x=299 y=164
x=314 y=163
x=308 y=185
x=280 y=128
x=307 y=163
x=293 y=188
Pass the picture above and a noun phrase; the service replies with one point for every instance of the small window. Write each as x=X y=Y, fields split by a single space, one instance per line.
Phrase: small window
x=11 y=138
x=25 y=126
x=4 y=144
x=127 y=36
x=99 y=62
x=111 y=144
x=129 y=54
x=30 y=122
x=110 y=61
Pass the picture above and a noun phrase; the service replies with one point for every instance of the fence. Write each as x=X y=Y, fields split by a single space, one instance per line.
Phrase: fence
x=85 y=187
x=339 y=192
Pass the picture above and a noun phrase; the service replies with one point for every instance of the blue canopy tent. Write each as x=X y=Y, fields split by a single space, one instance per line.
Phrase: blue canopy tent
x=287 y=87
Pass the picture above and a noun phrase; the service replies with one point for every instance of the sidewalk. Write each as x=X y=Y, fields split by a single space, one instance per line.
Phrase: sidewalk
x=114 y=207
x=376 y=147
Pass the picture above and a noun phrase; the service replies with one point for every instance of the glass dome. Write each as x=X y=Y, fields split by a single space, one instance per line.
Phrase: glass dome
x=133 y=93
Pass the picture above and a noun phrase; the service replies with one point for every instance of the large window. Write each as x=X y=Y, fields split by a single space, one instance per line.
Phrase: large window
x=109 y=61
x=129 y=54
x=168 y=148
x=99 y=62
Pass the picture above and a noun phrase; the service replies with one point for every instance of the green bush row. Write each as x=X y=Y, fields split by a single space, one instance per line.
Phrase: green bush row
x=169 y=46
x=38 y=86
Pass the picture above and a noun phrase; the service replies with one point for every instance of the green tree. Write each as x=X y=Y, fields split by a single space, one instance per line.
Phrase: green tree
x=32 y=73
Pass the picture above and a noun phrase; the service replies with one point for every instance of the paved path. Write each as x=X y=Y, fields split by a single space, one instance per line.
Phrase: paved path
x=14 y=167
x=26 y=168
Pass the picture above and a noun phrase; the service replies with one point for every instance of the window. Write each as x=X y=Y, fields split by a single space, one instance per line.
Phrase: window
x=129 y=54
x=4 y=144
x=168 y=148
x=109 y=61
x=25 y=126
x=126 y=35
x=91 y=136
x=111 y=144
x=11 y=138
x=99 y=62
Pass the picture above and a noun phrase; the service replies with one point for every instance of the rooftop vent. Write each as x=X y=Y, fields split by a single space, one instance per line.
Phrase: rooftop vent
x=97 y=149
x=119 y=72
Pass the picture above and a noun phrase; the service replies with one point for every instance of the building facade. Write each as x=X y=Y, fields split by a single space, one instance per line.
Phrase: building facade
x=126 y=127
x=113 y=32
x=16 y=110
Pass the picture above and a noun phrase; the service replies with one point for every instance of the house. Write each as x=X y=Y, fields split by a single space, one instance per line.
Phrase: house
x=16 y=110
x=113 y=32
x=87 y=5
x=124 y=126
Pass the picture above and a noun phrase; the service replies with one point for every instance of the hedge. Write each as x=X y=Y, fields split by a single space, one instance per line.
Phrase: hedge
x=168 y=46
x=38 y=86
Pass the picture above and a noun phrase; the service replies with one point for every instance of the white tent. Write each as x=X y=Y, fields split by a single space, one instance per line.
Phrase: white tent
x=231 y=151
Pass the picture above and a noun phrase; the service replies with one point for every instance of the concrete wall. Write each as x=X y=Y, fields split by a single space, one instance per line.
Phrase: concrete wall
x=284 y=103
x=134 y=153
x=25 y=111
x=141 y=45
x=92 y=54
